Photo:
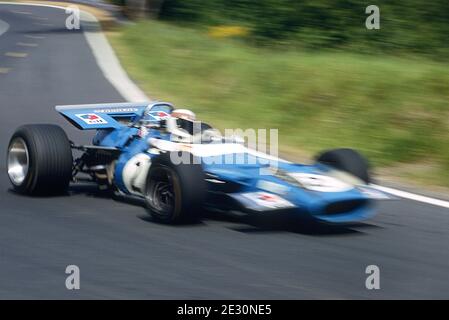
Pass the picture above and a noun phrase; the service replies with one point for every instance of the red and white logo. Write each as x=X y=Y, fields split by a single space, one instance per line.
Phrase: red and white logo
x=159 y=115
x=268 y=200
x=91 y=118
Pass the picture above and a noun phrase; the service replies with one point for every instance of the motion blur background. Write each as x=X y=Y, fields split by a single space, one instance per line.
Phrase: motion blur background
x=309 y=68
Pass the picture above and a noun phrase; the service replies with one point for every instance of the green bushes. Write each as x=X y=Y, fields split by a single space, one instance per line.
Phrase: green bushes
x=407 y=27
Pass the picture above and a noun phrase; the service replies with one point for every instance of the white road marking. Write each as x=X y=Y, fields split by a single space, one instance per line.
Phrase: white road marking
x=4 y=70
x=26 y=44
x=29 y=36
x=412 y=196
x=114 y=73
x=20 y=12
x=3 y=27
x=43 y=24
x=16 y=54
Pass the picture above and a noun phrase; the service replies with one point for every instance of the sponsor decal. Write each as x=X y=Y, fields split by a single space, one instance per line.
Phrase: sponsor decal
x=91 y=118
x=268 y=200
x=272 y=187
x=159 y=115
x=117 y=110
x=320 y=183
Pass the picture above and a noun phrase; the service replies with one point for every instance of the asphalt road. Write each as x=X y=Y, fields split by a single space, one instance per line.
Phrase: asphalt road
x=123 y=254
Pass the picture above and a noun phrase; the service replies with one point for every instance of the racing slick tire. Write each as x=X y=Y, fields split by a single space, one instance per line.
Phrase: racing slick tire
x=347 y=160
x=175 y=193
x=40 y=160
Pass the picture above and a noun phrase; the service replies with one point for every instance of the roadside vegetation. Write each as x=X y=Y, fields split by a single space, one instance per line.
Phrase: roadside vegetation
x=414 y=27
x=392 y=107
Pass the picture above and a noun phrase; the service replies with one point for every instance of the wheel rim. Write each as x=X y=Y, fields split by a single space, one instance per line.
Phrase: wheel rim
x=160 y=193
x=18 y=161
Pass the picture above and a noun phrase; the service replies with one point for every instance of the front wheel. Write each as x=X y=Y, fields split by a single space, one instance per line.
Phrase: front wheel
x=40 y=160
x=175 y=192
x=347 y=160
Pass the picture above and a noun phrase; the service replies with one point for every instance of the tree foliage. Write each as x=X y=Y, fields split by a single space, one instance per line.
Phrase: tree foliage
x=412 y=26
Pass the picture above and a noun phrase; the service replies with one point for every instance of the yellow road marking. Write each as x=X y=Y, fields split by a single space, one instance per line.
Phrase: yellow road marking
x=16 y=54
x=4 y=70
x=26 y=44
x=33 y=37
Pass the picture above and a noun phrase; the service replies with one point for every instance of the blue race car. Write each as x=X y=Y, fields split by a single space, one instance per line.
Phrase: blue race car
x=179 y=166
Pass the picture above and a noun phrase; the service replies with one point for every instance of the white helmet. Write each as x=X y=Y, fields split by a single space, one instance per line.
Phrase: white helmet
x=183 y=114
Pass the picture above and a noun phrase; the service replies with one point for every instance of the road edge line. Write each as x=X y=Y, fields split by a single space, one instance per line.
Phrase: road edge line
x=412 y=196
x=109 y=64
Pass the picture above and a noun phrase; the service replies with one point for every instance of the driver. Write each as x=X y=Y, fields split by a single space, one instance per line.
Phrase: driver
x=151 y=119
x=185 y=120
x=184 y=114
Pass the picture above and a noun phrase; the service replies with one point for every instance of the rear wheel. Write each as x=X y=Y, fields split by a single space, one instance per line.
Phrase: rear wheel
x=175 y=192
x=40 y=160
x=347 y=160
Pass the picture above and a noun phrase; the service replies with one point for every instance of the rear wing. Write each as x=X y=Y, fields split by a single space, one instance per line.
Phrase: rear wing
x=105 y=115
